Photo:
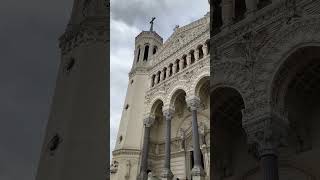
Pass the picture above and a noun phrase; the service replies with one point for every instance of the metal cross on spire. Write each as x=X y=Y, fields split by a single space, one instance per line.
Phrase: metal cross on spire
x=151 y=22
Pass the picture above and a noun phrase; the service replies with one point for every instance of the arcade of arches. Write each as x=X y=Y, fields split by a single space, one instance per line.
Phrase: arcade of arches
x=283 y=142
x=177 y=135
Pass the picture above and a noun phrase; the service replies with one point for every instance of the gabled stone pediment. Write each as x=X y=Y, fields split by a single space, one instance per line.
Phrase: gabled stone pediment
x=182 y=37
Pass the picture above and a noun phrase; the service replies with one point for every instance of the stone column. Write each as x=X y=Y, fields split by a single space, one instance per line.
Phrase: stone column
x=188 y=59
x=161 y=75
x=180 y=64
x=196 y=54
x=205 y=49
x=167 y=174
x=174 y=68
x=268 y=133
x=145 y=150
x=251 y=6
x=227 y=12
x=168 y=71
x=156 y=79
x=150 y=52
x=197 y=170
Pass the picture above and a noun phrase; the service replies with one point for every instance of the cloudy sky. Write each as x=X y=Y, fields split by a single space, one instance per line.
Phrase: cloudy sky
x=128 y=19
x=30 y=56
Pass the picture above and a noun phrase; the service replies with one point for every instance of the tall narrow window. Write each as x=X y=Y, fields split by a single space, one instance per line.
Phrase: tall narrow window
x=177 y=64
x=153 y=79
x=208 y=46
x=159 y=75
x=170 y=69
x=154 y=49
x=200 y=52
x=192 y=57
x=164 y=73
x=239 y=10
x=138 y=57
x=184 y=58
x=146 y=52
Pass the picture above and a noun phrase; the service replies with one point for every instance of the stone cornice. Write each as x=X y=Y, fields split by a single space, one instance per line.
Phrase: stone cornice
x=138 y=70
x=133 y=152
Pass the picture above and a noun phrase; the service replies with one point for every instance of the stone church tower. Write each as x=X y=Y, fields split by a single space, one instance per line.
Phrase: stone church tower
x=73 y=147
x=164 y=129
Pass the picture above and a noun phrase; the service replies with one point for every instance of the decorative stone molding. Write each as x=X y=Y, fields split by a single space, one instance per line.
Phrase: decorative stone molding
x=194 y=103
x=168 y=113
x=267 y=133
x=130 y=152
x=114 y=167
x=148 y=121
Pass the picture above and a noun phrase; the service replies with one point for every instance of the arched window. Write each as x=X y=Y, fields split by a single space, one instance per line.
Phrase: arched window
x=153 y=80
x=192 y=56
x=239 y=9
x=155 y=48
x=159 y=73
x=200 y=52
x=138 y=56
x=170 y=70
x=177 y=63
x=146 y=52
x=164 y=73
x=184 y=58
x=208 y=45
x=263 y=3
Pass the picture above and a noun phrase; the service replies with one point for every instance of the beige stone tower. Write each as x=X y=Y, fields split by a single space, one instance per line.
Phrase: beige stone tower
x=74 y=145
x=126 y=156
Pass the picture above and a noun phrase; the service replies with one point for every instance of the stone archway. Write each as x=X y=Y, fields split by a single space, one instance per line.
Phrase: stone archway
x=295 y=93
x=229 y=138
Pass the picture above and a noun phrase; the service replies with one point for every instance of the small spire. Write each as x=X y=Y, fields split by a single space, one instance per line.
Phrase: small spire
x=151 y=22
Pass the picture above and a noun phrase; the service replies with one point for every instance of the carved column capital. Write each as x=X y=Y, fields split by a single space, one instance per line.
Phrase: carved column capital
x=194 y=103
x=267 y=134
x=148 y=121
x=168 y=113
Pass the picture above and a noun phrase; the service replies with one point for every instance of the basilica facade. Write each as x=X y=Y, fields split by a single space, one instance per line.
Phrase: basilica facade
x=164 y=130
x=264 y=89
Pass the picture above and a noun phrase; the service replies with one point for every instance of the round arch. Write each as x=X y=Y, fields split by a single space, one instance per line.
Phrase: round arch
x=156 y=104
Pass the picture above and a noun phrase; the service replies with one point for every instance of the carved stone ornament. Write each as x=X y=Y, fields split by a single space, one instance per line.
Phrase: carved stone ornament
x=114 y=167
x=268 y=135
x=194 y=103
x=166 y=173
x=168 y=113
x=148 y=121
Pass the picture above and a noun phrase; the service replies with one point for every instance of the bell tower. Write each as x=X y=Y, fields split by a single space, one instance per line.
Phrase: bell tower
x=75 y=146
x=130 y=133
x=147 y=43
